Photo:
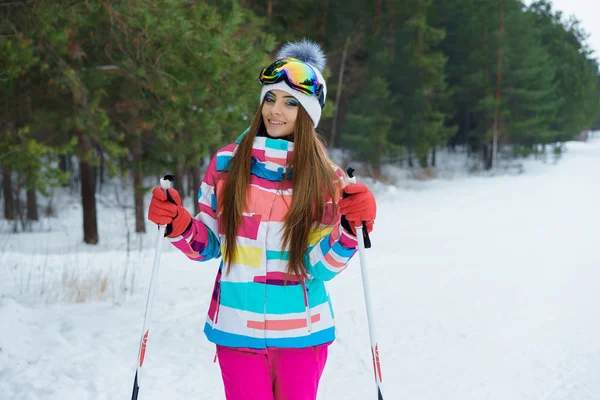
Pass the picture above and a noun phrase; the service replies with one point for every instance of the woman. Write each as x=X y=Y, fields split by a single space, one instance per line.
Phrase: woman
x=270 y=204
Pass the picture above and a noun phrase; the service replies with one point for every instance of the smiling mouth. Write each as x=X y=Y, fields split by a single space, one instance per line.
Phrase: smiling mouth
x=278 y=123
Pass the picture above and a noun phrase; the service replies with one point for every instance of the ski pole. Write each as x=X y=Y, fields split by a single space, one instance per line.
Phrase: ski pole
x=165 y=183
x=361 y=232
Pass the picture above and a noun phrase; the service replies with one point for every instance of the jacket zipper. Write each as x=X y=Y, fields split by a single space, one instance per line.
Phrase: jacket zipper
x=216 y=319
x=307 y=307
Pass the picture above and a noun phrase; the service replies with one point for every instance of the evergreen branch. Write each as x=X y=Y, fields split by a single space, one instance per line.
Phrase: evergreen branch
x=13 y=3
x=77 y=87
x=116 y=16
x=110 y=69
x=21 y=149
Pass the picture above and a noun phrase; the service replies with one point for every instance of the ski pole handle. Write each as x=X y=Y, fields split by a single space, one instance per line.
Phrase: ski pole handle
x=363 y=233
x=166 y=182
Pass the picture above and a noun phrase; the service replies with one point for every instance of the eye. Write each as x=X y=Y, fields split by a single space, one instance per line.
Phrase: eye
x=292 y=103
x=269 y=99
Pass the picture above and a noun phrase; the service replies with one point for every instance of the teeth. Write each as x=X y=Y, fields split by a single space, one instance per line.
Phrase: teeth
x=276 y=122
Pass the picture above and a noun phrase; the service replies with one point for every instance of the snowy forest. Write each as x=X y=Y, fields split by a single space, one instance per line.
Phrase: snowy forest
x=474 y=123
x=99 y=89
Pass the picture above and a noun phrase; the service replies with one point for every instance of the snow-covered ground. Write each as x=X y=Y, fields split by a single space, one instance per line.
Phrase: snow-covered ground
x=483 y=288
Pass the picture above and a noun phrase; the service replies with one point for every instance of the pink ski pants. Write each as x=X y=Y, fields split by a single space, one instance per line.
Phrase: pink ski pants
x=274 y=374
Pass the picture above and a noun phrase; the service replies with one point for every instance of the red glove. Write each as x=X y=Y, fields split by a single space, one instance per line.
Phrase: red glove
x=358 y=205
x=166 y=209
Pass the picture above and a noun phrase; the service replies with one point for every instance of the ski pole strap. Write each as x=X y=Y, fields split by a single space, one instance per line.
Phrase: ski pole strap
x=345 y=223
x=366 y=237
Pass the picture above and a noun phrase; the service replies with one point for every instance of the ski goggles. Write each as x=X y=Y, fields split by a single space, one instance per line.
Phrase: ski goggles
x=297 y=74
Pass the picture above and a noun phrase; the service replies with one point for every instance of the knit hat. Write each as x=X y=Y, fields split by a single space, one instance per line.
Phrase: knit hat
x=310 y=53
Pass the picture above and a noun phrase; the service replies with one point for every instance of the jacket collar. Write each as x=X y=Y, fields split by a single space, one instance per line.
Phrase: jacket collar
x=272 y=154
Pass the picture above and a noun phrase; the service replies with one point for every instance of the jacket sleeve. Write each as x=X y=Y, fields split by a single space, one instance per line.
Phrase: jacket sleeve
x=200 y=242
x=331 y=247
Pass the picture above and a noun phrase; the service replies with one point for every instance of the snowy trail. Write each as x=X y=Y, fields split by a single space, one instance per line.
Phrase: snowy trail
x=484 y=289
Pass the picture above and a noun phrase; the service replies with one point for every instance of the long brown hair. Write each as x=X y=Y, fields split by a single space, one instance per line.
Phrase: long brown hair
x=313 y=184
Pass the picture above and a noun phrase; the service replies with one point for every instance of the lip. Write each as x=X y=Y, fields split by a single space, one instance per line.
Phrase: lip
x=281 y=123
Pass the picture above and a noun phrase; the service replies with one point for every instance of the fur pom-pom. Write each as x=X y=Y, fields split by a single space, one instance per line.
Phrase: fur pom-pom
x=305 y=50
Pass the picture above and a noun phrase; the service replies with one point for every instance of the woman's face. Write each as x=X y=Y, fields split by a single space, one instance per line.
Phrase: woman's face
x=279 y=112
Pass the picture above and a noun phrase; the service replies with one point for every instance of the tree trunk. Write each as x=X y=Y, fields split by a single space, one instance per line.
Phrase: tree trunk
x=63 y=163
x=486 y=84
x=88 y=196
x=179 y=179
x=189 y=175
x=433 y=153
x=19 y=208
x=486 y=67
x=392 y=30
x=324 y=20
x=468 y=126
x=422 y=156
x=269 y=10
x=101 y=169
x=338 y=94
x=180 y=169
x=65 y=166
x=9 y=197
x=377 y=14
x=196 y=183
x=420 y=38
x=423 y=160
x=25 y=113
x=377 y=167
x=140 y=215
x=138 y=185
x=498 y=83
x=487 y=156
x=32 y=209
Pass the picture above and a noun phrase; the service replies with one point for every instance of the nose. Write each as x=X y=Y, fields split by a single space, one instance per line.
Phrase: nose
x=276 y=110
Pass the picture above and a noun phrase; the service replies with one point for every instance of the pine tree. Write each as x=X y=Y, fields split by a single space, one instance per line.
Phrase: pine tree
x=26 y=150
x=418 y=82
x=369 y=125
x=529 y=105
x=164 y=81
x=576 y=72
x=502 y=80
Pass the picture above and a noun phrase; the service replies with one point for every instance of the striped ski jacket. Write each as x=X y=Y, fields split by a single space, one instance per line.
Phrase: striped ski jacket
x=259 y=305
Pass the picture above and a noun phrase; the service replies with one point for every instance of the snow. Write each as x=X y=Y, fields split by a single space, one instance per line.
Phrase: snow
x=483 y=287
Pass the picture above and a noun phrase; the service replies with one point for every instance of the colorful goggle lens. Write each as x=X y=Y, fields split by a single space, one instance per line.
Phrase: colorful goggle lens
x=297 y=74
